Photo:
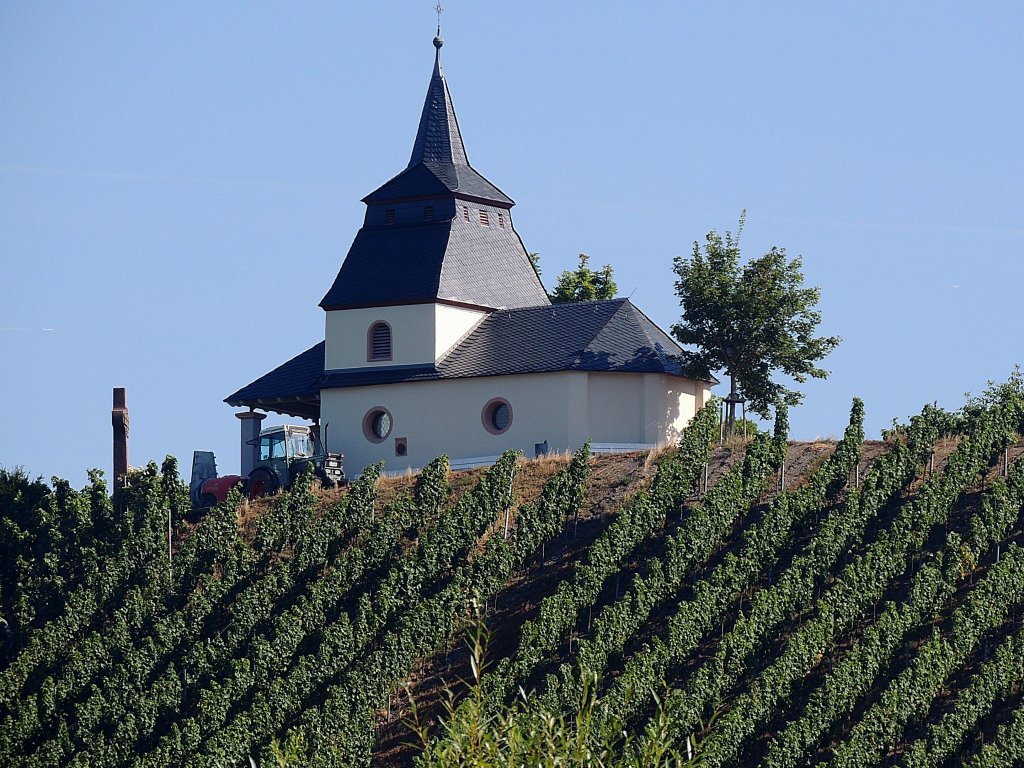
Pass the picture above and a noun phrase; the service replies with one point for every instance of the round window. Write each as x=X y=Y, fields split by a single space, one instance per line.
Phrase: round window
x=497 y=416
x=377 y=424
x=381 y=424
x=500 y=417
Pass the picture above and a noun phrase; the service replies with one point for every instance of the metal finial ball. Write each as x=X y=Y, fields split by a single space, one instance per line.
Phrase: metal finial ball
x=438 y=42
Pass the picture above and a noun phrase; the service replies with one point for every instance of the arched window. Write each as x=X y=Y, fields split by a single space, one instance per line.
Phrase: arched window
x=378 y=341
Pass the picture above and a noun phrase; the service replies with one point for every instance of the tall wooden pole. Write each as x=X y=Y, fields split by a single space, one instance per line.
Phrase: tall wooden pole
x=119 y=421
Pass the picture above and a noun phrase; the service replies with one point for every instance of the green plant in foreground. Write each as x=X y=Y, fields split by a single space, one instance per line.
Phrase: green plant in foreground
x=472 y=735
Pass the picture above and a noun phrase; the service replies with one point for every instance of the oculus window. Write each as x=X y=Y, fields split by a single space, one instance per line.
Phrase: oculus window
x=496 y=416
x=377 y=424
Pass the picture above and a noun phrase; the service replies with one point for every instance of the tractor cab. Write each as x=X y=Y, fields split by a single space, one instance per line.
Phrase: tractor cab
x=284 y=453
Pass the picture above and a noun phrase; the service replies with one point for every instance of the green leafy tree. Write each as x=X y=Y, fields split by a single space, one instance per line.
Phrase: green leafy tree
x=584 y=284
x=535 y=261
x=750 y=320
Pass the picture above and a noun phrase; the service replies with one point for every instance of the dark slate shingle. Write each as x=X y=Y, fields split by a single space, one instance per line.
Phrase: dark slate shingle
x=608 y=335
x=587 y=336
x=391 y=264
x=439 y=163
x=297 y=379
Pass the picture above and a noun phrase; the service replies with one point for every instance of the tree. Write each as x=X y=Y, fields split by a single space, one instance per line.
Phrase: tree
x=535 y=260
x=750 y=320
x=584 y=284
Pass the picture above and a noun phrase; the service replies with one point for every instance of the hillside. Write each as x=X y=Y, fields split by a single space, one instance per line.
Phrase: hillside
x=867 y=613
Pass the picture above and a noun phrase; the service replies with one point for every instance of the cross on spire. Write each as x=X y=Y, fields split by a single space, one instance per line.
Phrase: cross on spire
x=440 y=9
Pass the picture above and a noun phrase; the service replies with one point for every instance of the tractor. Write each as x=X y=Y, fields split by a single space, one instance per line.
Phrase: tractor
x=284 y=454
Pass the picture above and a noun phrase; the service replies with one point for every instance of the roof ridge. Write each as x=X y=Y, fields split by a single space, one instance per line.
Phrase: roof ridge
x=662 y=353
x=579 y=357
x=646 y=317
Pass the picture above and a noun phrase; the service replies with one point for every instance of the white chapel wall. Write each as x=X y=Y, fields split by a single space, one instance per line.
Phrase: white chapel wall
x=647 y=408
x=615 y=407
x=671 y=404
x=451 y=324
x=565 y=408
x=444 y=416
x=420 y=333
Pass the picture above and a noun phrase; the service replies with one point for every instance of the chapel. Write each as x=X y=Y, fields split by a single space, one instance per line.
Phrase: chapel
x=440 y=338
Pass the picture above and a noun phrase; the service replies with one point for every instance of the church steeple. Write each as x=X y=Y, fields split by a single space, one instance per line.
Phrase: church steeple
x=438 y=231
x=439 y=165
x=438 y=140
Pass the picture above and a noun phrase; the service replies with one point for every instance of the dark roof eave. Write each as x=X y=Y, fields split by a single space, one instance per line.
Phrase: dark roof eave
x=364 y=377
x=506 y=204
x=305 y=409
x=250 y=401
x=404 y=302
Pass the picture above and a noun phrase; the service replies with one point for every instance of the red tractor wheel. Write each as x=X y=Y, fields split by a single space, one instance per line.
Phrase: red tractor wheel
x=261 y=483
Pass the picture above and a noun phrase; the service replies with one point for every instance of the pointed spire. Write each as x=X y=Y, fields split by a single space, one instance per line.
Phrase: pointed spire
x=438 y=140
x=438 y=163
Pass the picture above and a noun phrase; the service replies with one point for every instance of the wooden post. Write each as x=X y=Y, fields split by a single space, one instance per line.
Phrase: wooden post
x=508 y=509
x=119 y=421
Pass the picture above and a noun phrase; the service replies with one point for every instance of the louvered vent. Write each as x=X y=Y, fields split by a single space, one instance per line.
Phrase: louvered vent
x=483 y=218
x=380 y=342
x=389 y=216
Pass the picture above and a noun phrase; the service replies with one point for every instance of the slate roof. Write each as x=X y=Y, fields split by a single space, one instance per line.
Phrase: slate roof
x=439 y=164
x=451 y=259
x=610 y=335
x=390 y=264
x=292 y=387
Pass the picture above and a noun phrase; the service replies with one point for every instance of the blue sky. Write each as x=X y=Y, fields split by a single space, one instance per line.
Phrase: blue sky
x=179 y=184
